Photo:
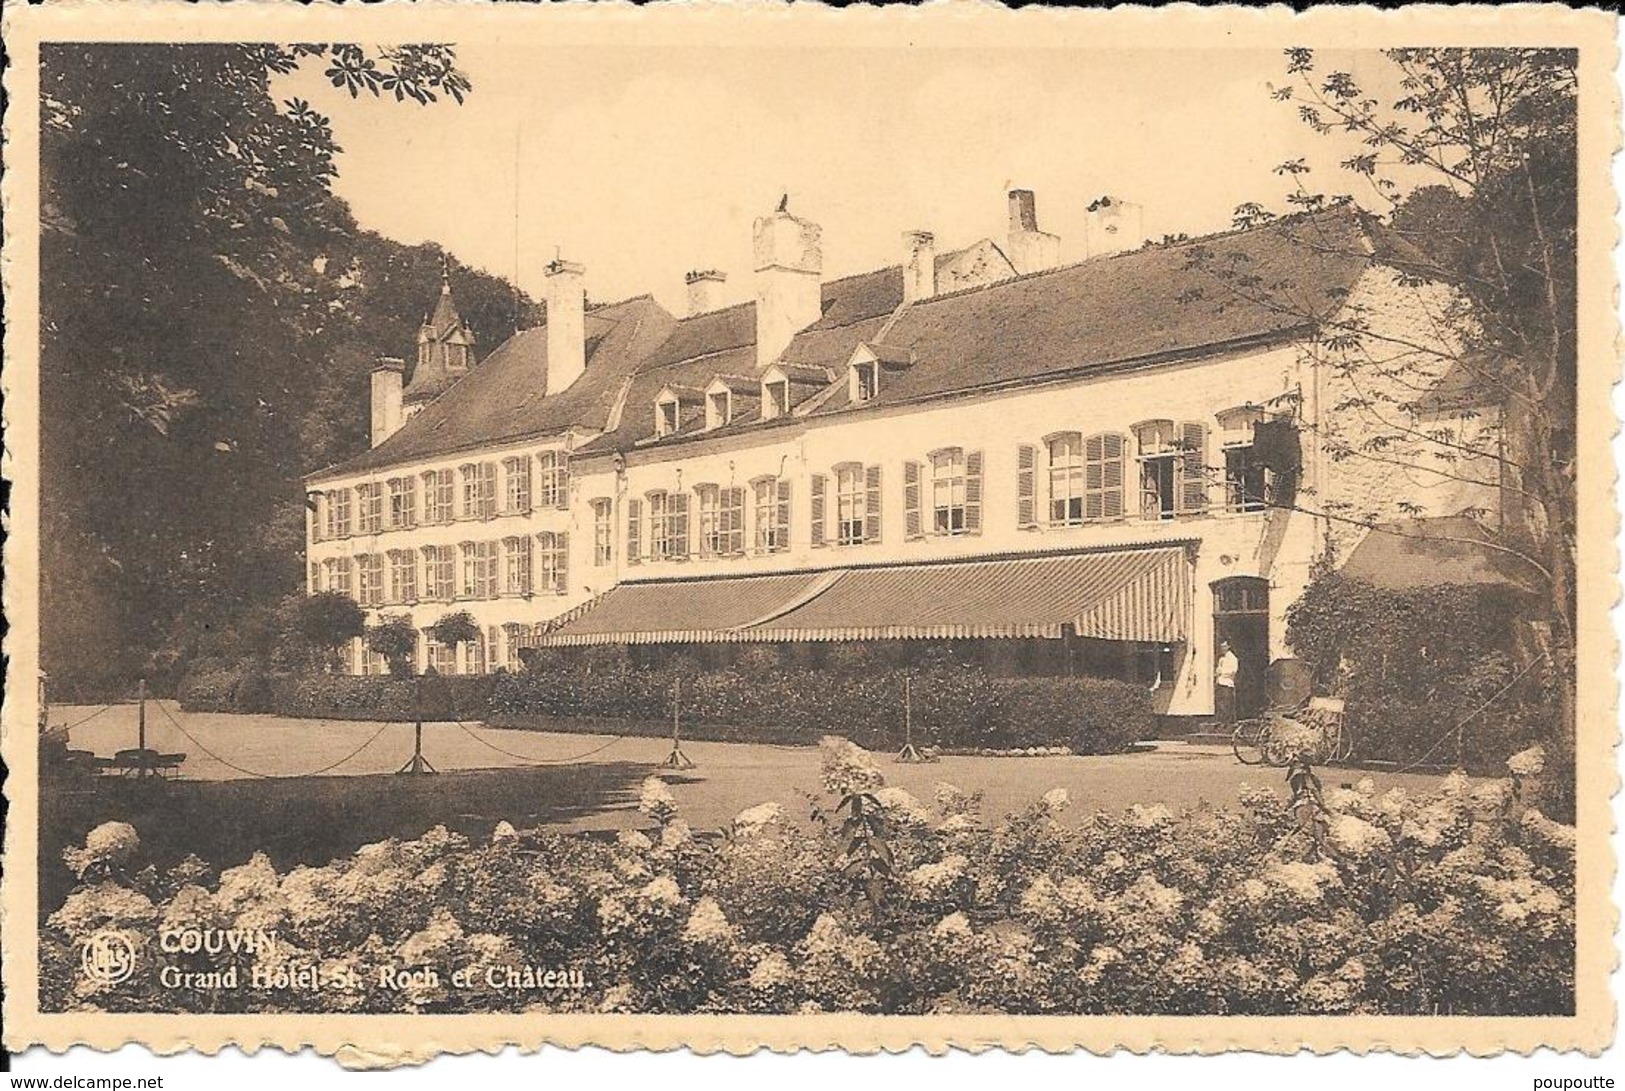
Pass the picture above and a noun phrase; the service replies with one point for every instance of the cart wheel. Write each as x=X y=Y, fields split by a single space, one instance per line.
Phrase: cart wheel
x=1247 y=741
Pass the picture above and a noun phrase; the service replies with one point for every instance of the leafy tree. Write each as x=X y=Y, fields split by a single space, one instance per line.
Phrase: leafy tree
x=395 y=638
x=209 y=310
x=328 y=619
x=1473 y=165
x=455 y=628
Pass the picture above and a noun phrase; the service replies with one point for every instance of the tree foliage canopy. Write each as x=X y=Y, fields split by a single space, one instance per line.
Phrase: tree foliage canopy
x=209 y=311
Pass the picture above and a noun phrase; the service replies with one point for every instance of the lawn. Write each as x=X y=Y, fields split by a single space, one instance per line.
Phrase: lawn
x=529 y=778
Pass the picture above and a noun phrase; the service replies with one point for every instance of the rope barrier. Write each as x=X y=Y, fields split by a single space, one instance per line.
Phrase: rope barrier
x=87 y=719
x=268 y=776
x=534 y=760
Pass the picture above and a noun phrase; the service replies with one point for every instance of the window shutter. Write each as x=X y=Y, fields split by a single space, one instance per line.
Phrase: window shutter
x=1111 y=476
x=1026 y=485
x=911 y=501
x=1094 y=477
x=561 y=563
x=871 y=503
x=677 y=535
x=816 y=523
x=784 y=513
x=1191 y=489
x=973 y=492
x=634 y=520
x=561 y=499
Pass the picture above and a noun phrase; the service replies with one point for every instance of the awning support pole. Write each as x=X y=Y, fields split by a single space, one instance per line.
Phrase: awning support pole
x=676 y=759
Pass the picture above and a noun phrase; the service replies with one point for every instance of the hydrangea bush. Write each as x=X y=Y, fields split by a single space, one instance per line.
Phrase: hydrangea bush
x=1459 y=902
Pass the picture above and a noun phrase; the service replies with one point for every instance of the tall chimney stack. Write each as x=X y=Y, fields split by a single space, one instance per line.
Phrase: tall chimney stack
x=566 y=293
x=1030 y=249
x=919 y=266
x=789 y=287
x=387 y=375
x=704 y=290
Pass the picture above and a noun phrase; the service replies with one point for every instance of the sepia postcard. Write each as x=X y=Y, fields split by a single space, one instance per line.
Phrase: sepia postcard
x=760 y=526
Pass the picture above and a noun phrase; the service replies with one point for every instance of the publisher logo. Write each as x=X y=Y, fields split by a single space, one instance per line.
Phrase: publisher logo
x=109 y=957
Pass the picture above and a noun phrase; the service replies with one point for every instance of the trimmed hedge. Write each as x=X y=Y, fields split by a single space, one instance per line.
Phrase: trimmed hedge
x=951 y=708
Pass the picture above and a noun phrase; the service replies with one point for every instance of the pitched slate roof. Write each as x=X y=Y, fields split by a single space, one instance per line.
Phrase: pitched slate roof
x=501 y=399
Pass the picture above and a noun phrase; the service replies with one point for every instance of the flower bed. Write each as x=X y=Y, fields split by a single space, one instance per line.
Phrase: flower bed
x=1458 y=903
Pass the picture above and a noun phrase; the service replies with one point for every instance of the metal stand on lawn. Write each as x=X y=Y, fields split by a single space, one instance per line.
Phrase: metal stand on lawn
x=676 y=759
x=910 y=754
x=417 y=764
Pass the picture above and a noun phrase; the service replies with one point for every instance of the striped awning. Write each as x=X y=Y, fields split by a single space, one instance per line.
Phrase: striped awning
x=1141 y=594
x=679 y=611
x=1126 y=594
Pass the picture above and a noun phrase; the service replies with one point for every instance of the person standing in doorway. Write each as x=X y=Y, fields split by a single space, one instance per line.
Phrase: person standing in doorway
x=1224 y=684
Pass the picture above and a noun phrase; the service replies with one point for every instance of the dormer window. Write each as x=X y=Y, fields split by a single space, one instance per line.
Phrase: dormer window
x=776 y=398
x=667 y=417
x=718 y=409
x=865 y=380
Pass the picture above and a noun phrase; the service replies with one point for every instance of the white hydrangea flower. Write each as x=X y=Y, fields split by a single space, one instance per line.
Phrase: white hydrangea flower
x=958 y=823
x=504 y=832
x=675 y=834
x=771 y=972
x=110 y=844
x=752 y=820
x=1554 y=834
x=954 y=926
x=656 y=800
x=928 y=880
x=662 y=890
x=1148 y=818
x=707 y=923
x=1055 y=801
x=848 y=768
x=1307 y=882
x=1528 y=763
x=636 y=840
x=902 y=807
x=1353 y=836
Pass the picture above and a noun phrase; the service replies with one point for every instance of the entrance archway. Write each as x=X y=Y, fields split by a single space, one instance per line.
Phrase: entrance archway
x=1241 y=618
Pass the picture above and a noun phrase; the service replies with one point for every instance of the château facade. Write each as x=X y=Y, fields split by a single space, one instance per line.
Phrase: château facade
x=1104 y=467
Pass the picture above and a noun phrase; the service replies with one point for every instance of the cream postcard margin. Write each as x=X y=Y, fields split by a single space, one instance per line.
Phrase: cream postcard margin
x=385 y=1040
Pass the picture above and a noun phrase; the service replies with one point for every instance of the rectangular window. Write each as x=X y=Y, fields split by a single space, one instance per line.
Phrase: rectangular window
x=553 y=489
x=603 y=532
x=403 y=502
x=479 y=570
x=512 y=634
x=722 y=521
x=370 y=579
x=1066 y=480
x=403 y=576
x=442 y=657
x=770 y=501
x=477 y=655
x=516 y=565
x=516 y=485
x=338 y=575
x=666 y=418
x=554 y=561
x=1173 y=468
x=439 y=489
x=865 y=381
x=1244 y=479
x=716 y=409
x=659 y=526
x=857 y=504
x=778 y=399
x=634 y=531
x=339 y=511
x=948 y=492
x=479 y=490
x=316 y=504
x=439 y=572
x=370 y=502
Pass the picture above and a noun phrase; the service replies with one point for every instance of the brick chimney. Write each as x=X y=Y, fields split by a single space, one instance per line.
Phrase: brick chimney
x=1030 y=250
x=789 y=288
x=566 y=293
x=704 y=290
x=919 y=265
x=387 y=375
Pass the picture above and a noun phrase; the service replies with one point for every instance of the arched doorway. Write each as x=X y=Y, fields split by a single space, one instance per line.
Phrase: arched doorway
x=1241 y=618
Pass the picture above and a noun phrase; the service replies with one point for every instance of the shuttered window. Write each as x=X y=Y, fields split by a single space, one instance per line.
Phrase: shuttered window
x=403 y=502
x=479 y=490
x=603 y=532
x=439 y=572
x=956 y=492
x=770 y=504
x=403 y=576
x=1173 y=468
x=338 y=513
x=815 y=521
x=1065 y=479
x=516 y=486
x=479 y=570
x=913 y=526
x=370 y=502
x=634 y=531
x=1103 y=476
x=677 y=546
x=554 y=561
x=553 y=485
x=370 y=579
x=439 y=489
x=516 y=565
x=721 y=521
